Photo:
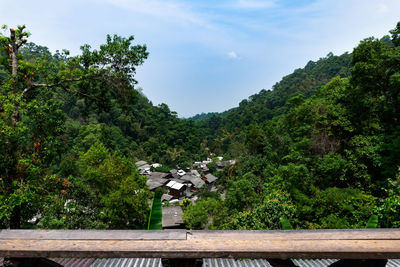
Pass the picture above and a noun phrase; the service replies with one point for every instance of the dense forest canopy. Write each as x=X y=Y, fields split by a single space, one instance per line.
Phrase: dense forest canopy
x=319 y=150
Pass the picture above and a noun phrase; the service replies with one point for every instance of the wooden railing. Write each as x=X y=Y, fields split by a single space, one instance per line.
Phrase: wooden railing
x=183 y=247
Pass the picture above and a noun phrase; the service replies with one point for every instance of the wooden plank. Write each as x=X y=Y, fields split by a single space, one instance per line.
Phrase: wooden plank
x=181 y=234
x=340 y=234
x=345 y=249
x=345 y=244
x=94 y=234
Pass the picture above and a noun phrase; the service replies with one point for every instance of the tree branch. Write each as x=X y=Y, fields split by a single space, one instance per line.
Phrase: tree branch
x=60 y=84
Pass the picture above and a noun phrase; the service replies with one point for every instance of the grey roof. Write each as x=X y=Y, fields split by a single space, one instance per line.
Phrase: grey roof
x=157 y=175
x=153 y=184
x=172 y=216
x=187 y=177
x=196 y=164
x=166 y=197
x=173 y=171
x=195 y=173
x=140 y=163
x=159 y=180
x=197 y=182
x=175 y=175
x=156 y=179
x=205 y=169
x=145 y=166
x=211 y=178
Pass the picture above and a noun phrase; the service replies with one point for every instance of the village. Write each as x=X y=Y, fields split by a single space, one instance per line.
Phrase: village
x=180 y=184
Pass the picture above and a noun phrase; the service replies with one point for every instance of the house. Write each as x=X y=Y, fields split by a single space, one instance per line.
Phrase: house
x=197 y=182
x=156 y=179
x=186 y=178
x=209 y=178
x=172 y=217
x=194 y=180
x=196 y=164
x=157 y=175
x=177 y=190
x=153 y=184
x=144 y=169
x=195 y=173
x=166 y=197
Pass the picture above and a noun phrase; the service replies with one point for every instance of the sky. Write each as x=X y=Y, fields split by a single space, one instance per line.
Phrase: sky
x=207 y=56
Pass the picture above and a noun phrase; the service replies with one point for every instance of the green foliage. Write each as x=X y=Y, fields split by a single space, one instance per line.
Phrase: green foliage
x=240 y=195
x=205 y=214
x=276 y=204
x=212 y=166
x=372 y=222
x=155 y=218
x=286 y=225
x=107 y=193
x=321 y=150
x=80 y=117
x=326 y=137
x=335 y=208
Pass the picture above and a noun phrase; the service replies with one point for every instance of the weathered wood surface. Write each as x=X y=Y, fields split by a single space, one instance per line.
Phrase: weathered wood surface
x=344 y=244
x=93 y=234
x=329 y=234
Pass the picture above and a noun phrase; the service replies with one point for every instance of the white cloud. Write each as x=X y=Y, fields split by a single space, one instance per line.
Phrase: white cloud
x=255 y=4
x=232 y=54
x=170 y=10
x=383 y=9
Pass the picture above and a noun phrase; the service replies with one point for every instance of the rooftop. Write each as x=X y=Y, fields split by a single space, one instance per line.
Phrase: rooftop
x=172 y=216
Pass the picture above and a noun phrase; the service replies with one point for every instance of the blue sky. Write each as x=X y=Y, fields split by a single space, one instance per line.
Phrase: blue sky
x=205 y=55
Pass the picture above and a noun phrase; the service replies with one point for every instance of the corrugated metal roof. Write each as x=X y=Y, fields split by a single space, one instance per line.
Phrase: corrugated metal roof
x=74 y=262
x=314 y=263
x=109 y=262
x=127 y=262
x=149 y=262
x=235 y=263
x=265 y=263
x=393 y=263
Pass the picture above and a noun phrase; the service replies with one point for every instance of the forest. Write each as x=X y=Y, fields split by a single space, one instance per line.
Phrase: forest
x=321 y=149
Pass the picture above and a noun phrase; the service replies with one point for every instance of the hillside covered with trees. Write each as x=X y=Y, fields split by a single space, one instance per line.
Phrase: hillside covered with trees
x=321 y=154
x=319 y=150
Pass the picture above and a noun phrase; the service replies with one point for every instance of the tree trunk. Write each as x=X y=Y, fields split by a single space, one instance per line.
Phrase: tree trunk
x=14 y=54
x=14 y=71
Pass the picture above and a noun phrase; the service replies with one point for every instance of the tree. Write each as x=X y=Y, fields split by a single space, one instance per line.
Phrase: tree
x=31 y=123
x=241 y=195
x=108 y=192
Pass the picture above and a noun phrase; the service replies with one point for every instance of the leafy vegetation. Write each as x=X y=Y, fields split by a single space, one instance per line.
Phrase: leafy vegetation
x=320 y=150
x=155 y=218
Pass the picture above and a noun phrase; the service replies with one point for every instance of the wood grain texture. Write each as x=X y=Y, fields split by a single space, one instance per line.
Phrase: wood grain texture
x=344 y=244
x=93 y=234
x=339 y=234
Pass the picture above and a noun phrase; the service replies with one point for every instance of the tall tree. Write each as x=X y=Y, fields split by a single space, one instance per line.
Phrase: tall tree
x=31 y=120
